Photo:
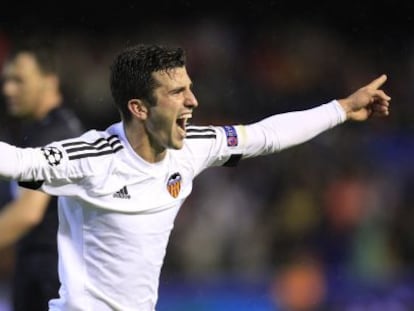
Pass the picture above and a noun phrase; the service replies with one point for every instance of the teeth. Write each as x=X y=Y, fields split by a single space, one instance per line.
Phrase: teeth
x=185 y=118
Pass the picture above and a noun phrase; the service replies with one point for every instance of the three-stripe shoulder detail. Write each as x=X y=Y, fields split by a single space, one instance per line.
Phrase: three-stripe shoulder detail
x=79 y=149
x=200 y=132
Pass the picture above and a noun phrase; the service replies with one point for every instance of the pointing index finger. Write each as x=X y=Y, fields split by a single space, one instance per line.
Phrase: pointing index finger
x=375 y=84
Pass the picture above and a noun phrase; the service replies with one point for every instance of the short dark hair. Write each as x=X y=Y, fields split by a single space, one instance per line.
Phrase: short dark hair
x=131 y=73
x=42 y=50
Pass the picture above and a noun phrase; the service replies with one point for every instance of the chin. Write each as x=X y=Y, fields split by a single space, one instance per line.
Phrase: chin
x=177 y=145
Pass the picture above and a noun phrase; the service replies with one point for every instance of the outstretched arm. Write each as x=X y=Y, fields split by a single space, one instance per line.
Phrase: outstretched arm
x=284 y=130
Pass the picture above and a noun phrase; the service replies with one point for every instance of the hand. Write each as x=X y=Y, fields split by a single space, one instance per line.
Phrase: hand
x=368 y=101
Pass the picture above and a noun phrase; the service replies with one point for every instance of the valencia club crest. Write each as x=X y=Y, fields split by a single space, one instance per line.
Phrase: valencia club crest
x=174 y=184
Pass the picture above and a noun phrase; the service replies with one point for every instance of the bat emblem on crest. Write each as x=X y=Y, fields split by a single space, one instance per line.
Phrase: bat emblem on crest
x=174 y=184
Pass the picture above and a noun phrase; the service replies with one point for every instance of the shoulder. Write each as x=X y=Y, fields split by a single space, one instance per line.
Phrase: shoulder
x=92 y=144
x=201 y=132
x=93 y=154
x=210 y=135
x=212 y=145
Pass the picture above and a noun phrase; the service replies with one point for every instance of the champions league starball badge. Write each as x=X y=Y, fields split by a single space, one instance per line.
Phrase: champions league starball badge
x=174 y=184
x=53 y=155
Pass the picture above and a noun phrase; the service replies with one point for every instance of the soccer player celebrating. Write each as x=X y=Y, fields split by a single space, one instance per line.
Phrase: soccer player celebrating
x=120 y=189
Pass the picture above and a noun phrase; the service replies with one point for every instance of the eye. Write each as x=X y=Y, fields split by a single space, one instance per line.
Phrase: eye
x=178 y=90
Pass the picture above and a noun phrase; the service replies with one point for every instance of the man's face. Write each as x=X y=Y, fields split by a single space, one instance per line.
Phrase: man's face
x=174 y=103
x=24 y=85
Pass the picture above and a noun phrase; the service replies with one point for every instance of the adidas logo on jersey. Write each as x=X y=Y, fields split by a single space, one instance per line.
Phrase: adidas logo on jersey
x=122 y=194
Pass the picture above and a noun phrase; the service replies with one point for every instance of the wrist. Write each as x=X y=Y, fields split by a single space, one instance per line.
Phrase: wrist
x=346 y=107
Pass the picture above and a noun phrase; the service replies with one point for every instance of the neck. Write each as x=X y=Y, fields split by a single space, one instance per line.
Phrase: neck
x=49 y=102
x=141 y=142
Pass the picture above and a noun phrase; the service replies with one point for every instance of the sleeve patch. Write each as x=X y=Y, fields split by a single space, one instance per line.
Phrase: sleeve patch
x=53 y=155
x=231 y=134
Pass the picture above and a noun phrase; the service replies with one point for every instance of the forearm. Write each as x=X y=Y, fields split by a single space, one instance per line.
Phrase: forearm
x=21 y=215
x=285 y=130
x=18 y=163
x=13 y=225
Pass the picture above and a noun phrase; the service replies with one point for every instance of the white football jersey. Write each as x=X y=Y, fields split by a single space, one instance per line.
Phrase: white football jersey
x=116 y=211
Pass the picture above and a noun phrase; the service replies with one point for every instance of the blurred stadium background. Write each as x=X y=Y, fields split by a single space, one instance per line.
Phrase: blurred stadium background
x=327 y=225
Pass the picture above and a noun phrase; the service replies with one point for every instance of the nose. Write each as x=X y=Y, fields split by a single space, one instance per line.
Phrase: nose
x=191 y=100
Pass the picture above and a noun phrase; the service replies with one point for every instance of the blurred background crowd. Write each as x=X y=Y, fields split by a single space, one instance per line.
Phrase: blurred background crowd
x=327 y=225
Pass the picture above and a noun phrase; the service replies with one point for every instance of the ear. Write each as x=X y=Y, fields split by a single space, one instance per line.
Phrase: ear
x=138 y=108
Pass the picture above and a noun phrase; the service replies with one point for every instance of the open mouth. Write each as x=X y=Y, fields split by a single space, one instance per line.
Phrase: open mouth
x=182 y=121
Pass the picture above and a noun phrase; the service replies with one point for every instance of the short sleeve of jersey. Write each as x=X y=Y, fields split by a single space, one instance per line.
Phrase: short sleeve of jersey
x=208 y=146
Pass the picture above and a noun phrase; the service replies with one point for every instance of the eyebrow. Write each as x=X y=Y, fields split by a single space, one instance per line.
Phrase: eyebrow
x=179 y=89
